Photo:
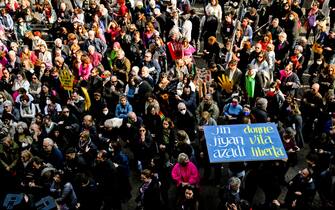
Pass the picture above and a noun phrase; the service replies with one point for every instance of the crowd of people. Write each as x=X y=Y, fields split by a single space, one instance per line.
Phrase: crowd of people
x=112 y=90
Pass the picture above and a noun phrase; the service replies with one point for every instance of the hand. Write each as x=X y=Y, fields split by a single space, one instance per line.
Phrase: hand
x=289 y=83
x=7 y=168
x=31 y=184
x=70 y=102
x=290 y=150
x=298 y=193
x=294 y=204
x=128 y=125
x=226 y=84
x=233 y=206
x=276 y=202
x=60 y=122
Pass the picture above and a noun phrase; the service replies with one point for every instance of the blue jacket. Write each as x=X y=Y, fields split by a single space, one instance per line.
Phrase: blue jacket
x=122 y=111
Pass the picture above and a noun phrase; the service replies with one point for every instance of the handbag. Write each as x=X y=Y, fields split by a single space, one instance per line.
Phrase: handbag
x=317 y=48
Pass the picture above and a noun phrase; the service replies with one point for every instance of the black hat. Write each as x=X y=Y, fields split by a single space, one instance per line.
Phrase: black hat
x=70 y=150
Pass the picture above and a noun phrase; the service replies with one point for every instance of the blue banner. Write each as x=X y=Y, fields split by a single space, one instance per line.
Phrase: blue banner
x=244 y=142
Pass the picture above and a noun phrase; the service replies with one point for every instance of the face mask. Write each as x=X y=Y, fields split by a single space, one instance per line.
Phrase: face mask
x=24 y=144
x=246 y=113
x=48 y=101
x=183 y=111
x=105 y=112
x=183 y=163
x=319 y=62
x=20 y=130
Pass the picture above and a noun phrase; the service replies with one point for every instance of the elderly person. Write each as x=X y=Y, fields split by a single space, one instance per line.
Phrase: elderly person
x=209 y=105
x=230 y=194
x=185 y=120
x=51 y=154
x=121 y=66
x=185 y=172
x=99 y=45
x=10 y=109
x=282 y=48
x=289 y=80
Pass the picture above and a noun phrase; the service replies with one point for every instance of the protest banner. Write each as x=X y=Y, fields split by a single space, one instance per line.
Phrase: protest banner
x=66 y=79
x=244 y=142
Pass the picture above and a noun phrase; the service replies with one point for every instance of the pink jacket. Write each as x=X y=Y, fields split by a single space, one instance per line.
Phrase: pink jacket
x=85 y=72
x=188 y=173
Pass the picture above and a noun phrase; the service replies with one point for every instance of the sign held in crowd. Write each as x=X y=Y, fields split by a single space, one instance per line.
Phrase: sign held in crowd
x=244 y=142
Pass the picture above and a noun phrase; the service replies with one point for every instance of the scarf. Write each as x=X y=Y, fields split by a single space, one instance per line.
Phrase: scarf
x=312 y=17
x=284 y=74
x=250 y=85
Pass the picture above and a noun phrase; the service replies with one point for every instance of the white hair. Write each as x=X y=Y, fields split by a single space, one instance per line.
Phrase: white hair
x=113 y=122
x=49 y=141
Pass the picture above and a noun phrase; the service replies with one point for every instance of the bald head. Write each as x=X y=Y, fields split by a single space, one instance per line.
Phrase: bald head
x=315 y=87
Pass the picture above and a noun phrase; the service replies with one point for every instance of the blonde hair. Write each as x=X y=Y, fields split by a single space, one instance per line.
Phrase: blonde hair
x=211 y=40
